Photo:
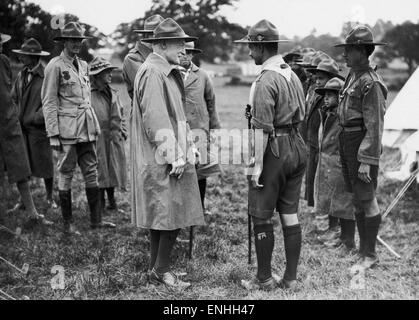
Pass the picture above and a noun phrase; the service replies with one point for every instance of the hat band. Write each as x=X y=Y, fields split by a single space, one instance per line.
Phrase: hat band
x=260 y=37
x=170 y=34
x=30 y=49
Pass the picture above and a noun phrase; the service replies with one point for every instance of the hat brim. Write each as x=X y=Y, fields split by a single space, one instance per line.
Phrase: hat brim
x=5 y=38
x=322 y=91
x=62 y=38
x=143 y=31
x=360 y=44
x=306 y=66
x=315 y=70
x=96 y=72
x=246 y=40
x=186 y=38
x=194 y=50
x=40 y=54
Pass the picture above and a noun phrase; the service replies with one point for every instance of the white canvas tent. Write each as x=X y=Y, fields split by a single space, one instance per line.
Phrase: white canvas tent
x=401 y=126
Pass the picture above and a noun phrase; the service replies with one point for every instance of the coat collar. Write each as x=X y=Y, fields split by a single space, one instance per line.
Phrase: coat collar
x=161 y=63
x=37 y=71
x=360 y=69
x=142 y=50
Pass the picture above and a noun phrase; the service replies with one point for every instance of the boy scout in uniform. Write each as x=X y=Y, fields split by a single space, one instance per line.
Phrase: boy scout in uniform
x=331 y=198
x=201 y=113
x=361 y=114
x=72 y=125
x=277 y=100
x=27 y=97
x=325 y=70
x=13 y=158
x=165 y=194
x=136 y=57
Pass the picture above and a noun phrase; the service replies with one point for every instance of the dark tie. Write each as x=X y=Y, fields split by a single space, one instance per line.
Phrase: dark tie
x=76 y=64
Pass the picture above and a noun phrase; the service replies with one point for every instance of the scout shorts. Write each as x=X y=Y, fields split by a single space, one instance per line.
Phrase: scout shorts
x=284 y=166
x=349 y=143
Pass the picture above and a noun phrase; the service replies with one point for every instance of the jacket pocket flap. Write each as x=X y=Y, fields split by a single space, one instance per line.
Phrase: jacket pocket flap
x=68 y=113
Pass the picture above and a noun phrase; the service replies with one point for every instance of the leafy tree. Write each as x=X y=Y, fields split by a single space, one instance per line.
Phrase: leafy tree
x=199 y=18
x=403 y=42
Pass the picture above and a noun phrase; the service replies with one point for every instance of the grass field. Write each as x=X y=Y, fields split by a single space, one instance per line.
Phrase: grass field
x=112 y=264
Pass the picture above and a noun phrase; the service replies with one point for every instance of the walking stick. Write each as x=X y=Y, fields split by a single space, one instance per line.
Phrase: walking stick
x=249 y=222
x=190 y=242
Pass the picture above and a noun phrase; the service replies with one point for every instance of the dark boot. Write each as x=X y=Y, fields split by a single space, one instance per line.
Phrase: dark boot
x=102 y=200
x=66 y=211
x=93 y=198
x=360 y=223
x=111 y=198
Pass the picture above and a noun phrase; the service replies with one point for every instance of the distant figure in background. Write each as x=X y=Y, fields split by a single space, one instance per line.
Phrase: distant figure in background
x=13 y=157
x=136 y=57
x=293 y=59
x=201 y=113
x=331 y=198
x=27 y=96
x=361 y=114
x=111 y=142
x=326 y=70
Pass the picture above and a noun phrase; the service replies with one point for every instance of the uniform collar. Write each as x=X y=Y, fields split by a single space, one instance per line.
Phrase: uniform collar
x=142 y=49
x=37 y=70
x=277 y=64
x=161 y=63
x=67 y=57
x=360 y=69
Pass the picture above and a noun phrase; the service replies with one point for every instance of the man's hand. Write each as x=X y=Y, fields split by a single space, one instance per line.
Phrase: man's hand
x=55 y=143
x=195 y=156
x=178 y=167
x=257 y=172
x=364 y=173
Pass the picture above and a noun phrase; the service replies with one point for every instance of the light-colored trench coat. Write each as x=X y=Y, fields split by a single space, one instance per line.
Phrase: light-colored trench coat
x=159 y=136
x=329 y=186
x=111 y=142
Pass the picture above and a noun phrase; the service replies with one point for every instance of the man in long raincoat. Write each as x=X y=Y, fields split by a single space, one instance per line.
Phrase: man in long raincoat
x=165 y=194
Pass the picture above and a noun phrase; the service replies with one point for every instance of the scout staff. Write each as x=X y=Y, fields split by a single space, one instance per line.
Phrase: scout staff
x=165 y=193
x=72 y=125
x=277 y=100
x=27 y=97
x=331 y=199
x=136 y=57
x=111 y=142
x=201 y=113
x=13 y=157
x=325 y=70
x=361 y=114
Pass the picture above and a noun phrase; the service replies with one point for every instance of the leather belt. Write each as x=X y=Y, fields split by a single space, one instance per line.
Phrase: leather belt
x=281 y=132
x=354 y=129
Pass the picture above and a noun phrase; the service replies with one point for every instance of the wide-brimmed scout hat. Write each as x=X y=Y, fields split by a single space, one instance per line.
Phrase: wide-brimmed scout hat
x=31 y=47
x=334 y=85
x=150 y=24
x=72 y=30
x=360 y=36
x=294 y=54
x=4 y=37
x=306 y=61
x=190 y=46
x=169 y=30
x=262 y=32
x=99 y=64
x=329 y=67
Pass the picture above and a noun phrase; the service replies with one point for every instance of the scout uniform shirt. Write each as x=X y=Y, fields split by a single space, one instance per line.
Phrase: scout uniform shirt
x=132 y=62
x=66 y=101
x=363 y=103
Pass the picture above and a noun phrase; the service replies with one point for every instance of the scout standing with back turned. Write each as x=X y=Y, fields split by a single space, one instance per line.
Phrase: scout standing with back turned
x=361 y=114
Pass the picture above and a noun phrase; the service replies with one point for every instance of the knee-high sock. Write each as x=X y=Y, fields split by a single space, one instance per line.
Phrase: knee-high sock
x=333 y=222
x=292 y=241
x=202 y=189
x=348 y=232
x=372 y=225
x=154 y=247
x=264 y=243
x=111 y=195
x=49 y=185
x=167 y=241
x=25 y=194
x=360 y=223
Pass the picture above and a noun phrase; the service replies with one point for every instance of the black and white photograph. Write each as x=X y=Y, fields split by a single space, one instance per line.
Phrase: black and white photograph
x=216 y=153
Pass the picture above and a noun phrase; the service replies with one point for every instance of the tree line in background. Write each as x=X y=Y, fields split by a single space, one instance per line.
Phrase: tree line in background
x=200 y=18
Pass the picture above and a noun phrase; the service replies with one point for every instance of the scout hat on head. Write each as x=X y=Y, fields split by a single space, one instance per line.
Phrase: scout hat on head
x=190 y=46
x=99 y=64
x=169 y=30
x=329 y=67
x=150 y=24
x=262 y=32
x=306 y=62
x=4 y=37
x=31 y=47
x=294 y=54
x=359 y=36
x=334 y=85
x=72 y=30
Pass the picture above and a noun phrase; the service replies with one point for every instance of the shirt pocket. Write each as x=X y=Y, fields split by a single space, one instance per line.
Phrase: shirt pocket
x=69 y=86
